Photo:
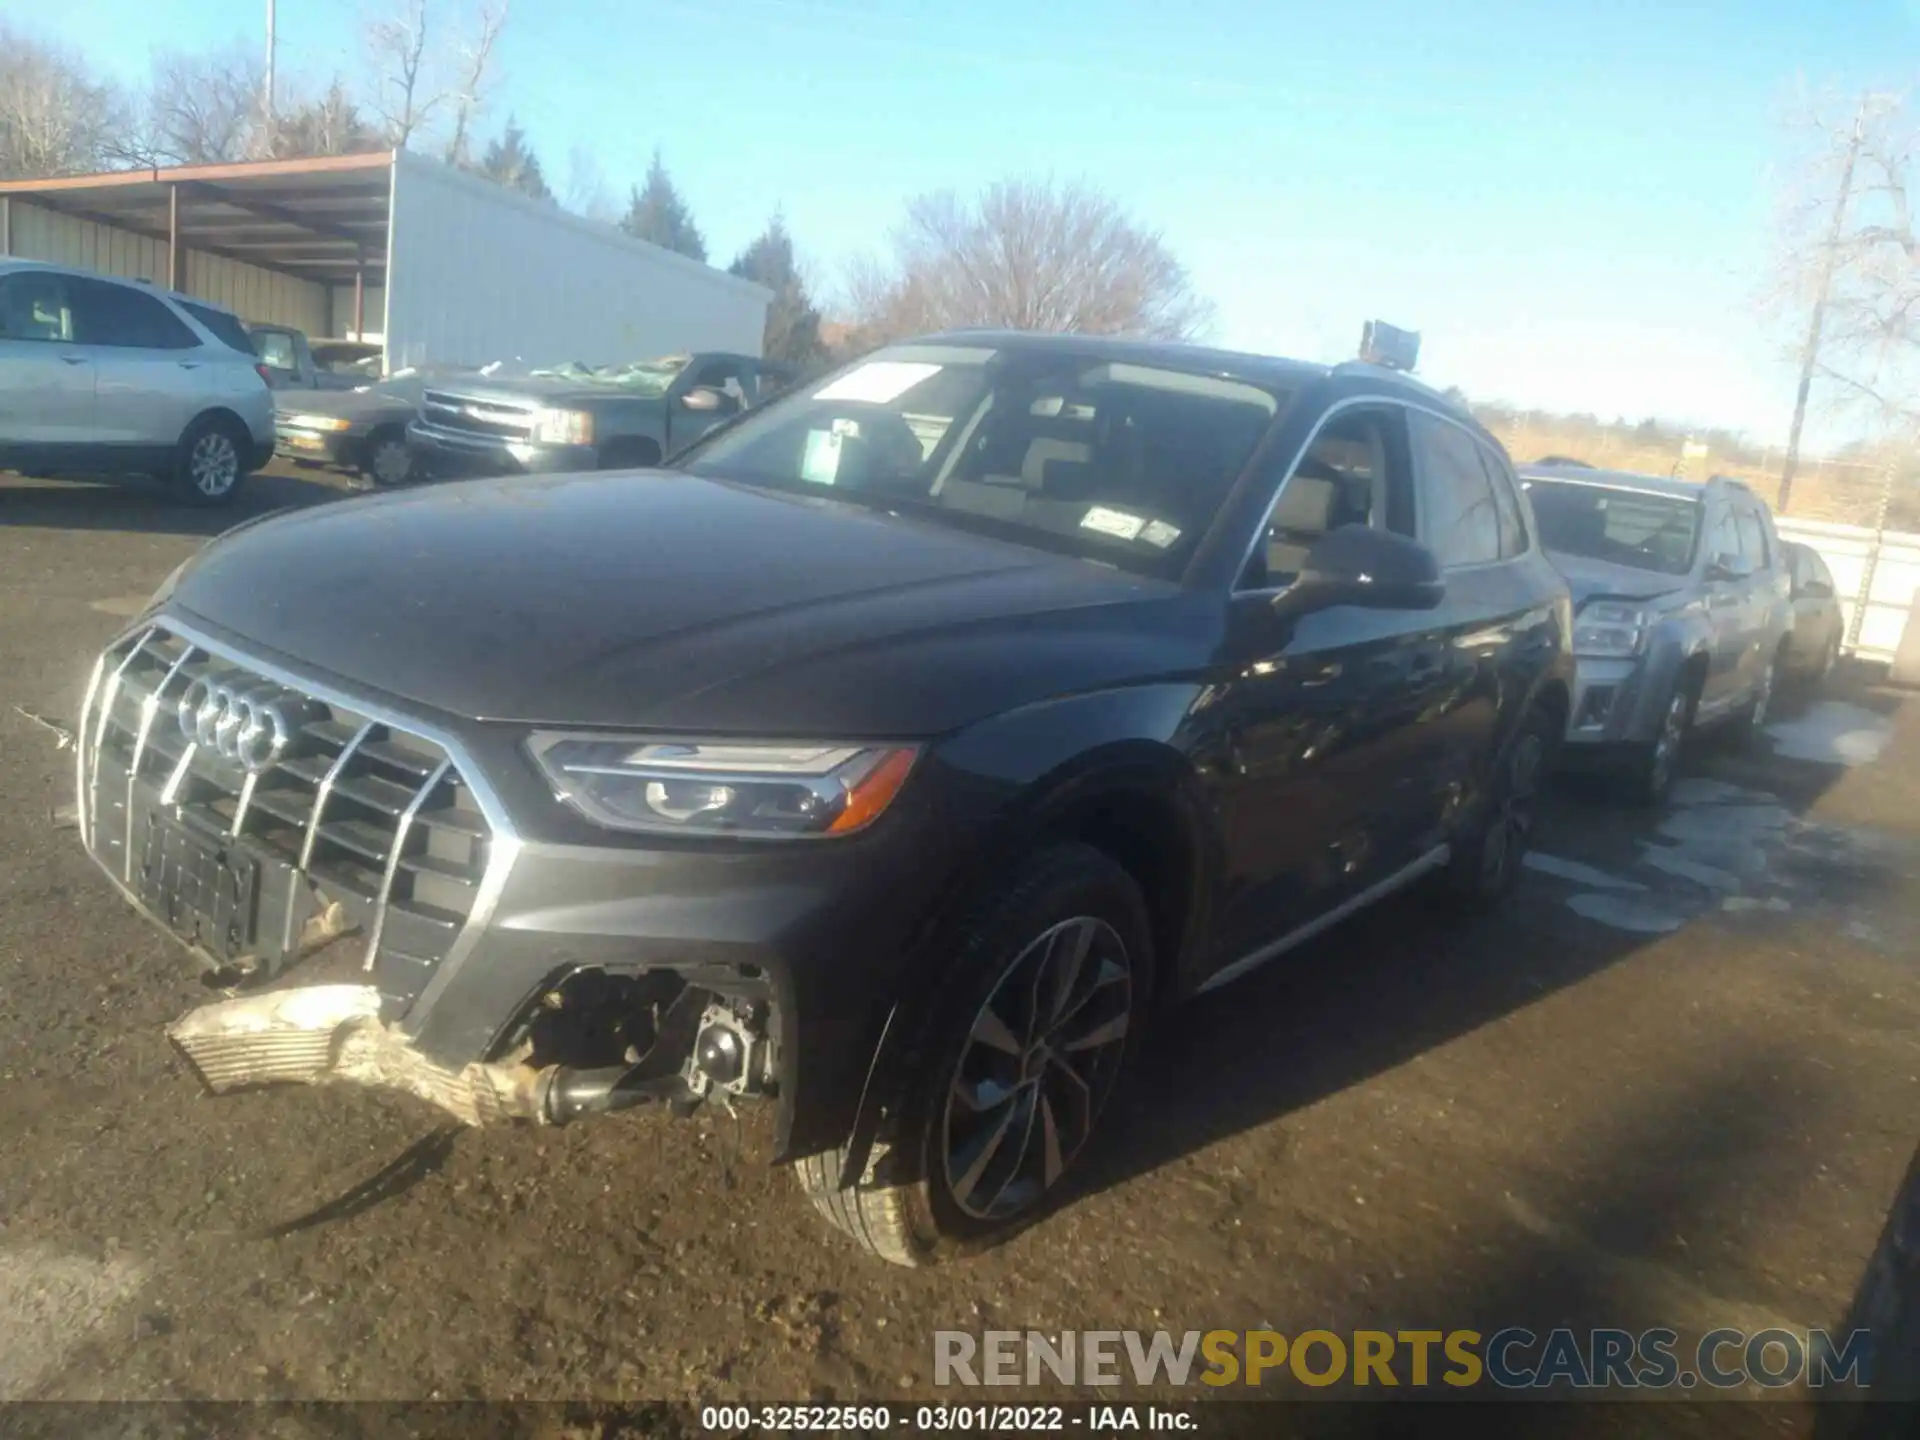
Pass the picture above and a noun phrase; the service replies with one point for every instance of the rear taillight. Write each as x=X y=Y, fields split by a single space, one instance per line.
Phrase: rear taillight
x=265 y=374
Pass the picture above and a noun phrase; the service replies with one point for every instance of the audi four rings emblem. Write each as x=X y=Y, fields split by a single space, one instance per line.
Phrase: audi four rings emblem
x=245 y=722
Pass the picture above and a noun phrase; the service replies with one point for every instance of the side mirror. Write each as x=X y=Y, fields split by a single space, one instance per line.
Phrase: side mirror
x=701 y=399
x=1816 y=590
x=1729 y=567
x=1358 y=565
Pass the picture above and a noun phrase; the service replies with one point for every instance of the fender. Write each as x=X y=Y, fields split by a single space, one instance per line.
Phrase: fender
x=1068 y=753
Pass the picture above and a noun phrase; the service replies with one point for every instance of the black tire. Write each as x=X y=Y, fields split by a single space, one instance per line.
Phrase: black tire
x=1486 y=860
x=211 y=461
x=1829 y=658
x=388 y=460
x=1745 y=729
x=911 y=1208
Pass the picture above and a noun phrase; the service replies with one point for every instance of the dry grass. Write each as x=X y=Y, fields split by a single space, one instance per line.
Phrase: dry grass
x=1822 y=489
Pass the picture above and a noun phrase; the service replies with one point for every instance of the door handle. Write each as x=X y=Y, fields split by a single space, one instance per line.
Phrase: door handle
x=73 y=359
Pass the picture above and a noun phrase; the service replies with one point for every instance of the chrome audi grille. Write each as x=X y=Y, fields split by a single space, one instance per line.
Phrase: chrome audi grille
x=463 y=413
x=337 y=806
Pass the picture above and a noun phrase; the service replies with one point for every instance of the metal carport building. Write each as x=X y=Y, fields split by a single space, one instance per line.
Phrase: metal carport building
x=440 y=265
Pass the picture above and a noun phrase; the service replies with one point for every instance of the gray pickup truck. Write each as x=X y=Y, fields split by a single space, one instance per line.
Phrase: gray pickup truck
x=584 y=418
x=292 y=362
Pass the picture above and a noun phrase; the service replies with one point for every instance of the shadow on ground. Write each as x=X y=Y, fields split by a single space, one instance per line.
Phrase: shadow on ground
x=148 y=509
x=1406 y=977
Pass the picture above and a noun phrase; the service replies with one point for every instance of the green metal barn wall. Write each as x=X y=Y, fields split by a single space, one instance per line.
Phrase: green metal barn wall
x=256 y=295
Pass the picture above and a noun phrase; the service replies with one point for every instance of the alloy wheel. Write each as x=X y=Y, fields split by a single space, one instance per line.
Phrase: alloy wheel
x=1512 y=821
x=1763 y=696
x=1666 y=745
x=214 y=465
x=1037 y=1068
x=391 y=463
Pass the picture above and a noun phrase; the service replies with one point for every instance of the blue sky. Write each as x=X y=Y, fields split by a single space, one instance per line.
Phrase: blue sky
x=1573 y=203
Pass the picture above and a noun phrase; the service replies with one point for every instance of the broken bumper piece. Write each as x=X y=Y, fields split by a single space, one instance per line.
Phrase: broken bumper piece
x=322 y=1034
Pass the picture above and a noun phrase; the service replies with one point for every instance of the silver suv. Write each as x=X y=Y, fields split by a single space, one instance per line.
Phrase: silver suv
x=1682 y=608
x=114 y=377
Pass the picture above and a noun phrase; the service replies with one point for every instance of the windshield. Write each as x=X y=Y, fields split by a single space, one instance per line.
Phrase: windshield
x=646 y=377
x=1114 y=462
x=1627 y=527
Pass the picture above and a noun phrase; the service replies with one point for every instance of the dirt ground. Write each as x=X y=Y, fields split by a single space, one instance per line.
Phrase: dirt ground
x=1676 y=1083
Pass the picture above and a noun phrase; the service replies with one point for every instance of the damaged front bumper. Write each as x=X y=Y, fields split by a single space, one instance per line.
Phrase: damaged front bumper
x=333 y=1034
x=319 y=1034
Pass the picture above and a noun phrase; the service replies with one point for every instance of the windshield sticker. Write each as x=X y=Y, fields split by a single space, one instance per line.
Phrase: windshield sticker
x=877 y=383
x=821 y=462
x=1159 y=534
x=1112 y=522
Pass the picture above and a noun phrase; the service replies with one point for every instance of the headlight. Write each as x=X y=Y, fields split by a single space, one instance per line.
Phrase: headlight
x=563 y=427
x=1610 y=629
x=316 y=422
x=723 y=787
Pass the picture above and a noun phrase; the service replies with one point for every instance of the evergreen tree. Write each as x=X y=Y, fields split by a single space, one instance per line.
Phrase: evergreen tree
x=793 y=324
x=510 y=161
x=657 y=213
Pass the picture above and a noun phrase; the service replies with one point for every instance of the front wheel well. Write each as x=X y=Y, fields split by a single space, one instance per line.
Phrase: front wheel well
x=216 y=414
x=627 y=450
x=1554 y=699
x=1693 y=674
x=1148 y=837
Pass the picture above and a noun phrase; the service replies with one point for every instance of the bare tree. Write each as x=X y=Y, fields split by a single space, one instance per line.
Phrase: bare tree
x=205 y=109
x=55 y=117
x=330 y=124
x=476 y=59
x=427 y=64
x=1852 y=261
x=396 y=45
x=586 y=191
x=1029 y=254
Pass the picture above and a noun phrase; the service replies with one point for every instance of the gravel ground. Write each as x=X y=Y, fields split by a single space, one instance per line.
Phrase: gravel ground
x=1676 y=1083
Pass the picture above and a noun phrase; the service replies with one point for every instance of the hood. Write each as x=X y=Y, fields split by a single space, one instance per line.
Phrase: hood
x=541 y=390
x=1587 y=577
x=657 y=599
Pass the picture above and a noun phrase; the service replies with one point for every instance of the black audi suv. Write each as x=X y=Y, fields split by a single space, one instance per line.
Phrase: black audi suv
x=889 y=757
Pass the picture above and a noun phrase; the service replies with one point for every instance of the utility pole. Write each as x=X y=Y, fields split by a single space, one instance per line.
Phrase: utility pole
x=1811 y=355
x=267 y=106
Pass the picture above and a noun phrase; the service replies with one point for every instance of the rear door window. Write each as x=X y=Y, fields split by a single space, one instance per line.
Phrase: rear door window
x=225 y=328
x=1458 y=510
x=1753 y=537
x=126 y=318
x=1506 y=500
x=1819 y=569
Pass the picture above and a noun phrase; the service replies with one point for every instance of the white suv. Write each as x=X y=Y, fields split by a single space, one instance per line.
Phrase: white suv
x=114 y=377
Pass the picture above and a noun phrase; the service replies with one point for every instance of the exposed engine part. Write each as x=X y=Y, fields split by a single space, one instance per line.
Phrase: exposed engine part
x=732 y=1054
x=591 y=1019
x=569 y=1094
x=593 y=1044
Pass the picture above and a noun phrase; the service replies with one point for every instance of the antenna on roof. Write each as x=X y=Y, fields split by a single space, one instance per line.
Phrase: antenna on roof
x=1387 y=345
